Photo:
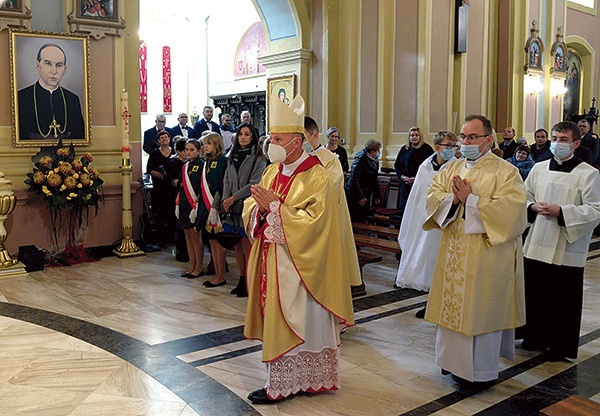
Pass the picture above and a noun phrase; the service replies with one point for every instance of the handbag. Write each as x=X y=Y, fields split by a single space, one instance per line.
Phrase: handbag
x=229 y=236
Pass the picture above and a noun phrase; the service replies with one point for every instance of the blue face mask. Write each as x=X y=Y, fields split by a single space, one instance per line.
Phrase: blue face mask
x=307 y=147
x=447 y=154
x=470 y=151
x=560 y=150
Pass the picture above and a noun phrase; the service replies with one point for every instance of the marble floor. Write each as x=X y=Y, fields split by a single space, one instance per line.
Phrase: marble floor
x=131 y=337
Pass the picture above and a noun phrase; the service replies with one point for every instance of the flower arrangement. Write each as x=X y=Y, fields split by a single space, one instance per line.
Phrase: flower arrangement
x=66 y=182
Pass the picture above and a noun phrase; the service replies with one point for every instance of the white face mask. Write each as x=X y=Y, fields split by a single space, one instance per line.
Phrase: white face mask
x=278 y=153
x=307 y=147
x=560 y=150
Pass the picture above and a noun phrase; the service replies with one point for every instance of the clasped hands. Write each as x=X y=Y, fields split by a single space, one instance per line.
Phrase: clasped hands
x=546 y=209
x=461 y=189
x=263 y=197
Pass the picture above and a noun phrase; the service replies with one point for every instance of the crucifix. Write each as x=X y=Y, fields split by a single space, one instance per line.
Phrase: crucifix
x=54 y=126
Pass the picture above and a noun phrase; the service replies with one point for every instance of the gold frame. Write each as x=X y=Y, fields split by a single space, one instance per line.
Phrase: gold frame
x=17 y=17
x=95 y=26
x=24 y=45
x=275 y=85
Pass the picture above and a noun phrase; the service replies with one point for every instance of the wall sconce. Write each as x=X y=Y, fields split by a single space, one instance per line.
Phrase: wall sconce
x=532 y=84
x=557 y=87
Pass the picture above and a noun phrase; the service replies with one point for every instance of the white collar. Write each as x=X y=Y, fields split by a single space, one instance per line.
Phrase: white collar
x=289 y=169
x=471 y=163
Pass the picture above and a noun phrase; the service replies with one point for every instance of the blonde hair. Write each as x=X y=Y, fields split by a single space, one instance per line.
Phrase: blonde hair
x=217 y=141
x=414 y=128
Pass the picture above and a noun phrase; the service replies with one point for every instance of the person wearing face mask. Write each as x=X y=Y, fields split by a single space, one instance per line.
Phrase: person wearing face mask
x=332 y=165
x=477 y=292
x=298 y=301
x=362 y=186
x=563 y=207
x=419 y=248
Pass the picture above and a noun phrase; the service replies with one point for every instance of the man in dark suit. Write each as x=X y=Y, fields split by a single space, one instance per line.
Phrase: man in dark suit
x=182 y=129
x=205 y=123
x=588 y=142
x=509 y=145
x=150 y=140
x=46 y=109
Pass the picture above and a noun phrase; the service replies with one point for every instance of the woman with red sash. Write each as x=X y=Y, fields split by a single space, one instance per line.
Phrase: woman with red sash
x=211 y=190
x=187 y=206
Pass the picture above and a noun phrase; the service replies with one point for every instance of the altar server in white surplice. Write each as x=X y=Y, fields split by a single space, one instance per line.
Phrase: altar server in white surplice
x=419 y=247
x=563 y=207
x=477 y=293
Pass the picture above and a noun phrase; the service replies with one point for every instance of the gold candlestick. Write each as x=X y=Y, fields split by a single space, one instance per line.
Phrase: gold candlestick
x=127 y=248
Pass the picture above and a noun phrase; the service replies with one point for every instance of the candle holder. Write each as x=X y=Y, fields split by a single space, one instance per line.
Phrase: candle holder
x=128 y=248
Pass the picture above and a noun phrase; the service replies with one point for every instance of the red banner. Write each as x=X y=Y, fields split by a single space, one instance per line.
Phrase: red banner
x=143 y=78
x=166 y=61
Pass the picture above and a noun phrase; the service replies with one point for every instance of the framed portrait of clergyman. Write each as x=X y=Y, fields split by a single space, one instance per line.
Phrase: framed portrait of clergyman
x=50 y=81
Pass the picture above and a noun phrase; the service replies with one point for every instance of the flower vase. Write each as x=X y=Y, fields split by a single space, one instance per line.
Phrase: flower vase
x=74 y=250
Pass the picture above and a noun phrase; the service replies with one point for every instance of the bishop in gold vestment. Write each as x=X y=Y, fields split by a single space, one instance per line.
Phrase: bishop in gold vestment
x=477 y=294
x=298 y=301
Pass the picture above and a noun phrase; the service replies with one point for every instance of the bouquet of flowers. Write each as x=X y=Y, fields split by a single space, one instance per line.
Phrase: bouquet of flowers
x=68 y=183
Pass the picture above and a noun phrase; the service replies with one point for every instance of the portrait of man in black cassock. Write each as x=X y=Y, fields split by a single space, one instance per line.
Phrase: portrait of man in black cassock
x=51 y=99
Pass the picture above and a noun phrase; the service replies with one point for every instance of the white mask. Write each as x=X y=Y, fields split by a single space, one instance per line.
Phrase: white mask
x=560 y=150
x=277 y=153
x=307 y=147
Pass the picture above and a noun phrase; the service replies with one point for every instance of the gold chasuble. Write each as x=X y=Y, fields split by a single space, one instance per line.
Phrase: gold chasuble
x=296 y=253
x=478 y=283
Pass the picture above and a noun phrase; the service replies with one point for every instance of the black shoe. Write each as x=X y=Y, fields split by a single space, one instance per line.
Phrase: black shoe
x=260 y=397
x=194 y=276
x=528 y=345
x=186 y=274
x=396 y=286
x=240 y=289
x=445 y=372
x=208 y=283
x=469 y=388
x=421 y=313
x=555 y=356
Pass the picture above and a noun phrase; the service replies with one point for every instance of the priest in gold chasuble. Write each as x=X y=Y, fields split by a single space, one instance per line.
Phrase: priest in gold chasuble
x=477 y=294
x=298 y=301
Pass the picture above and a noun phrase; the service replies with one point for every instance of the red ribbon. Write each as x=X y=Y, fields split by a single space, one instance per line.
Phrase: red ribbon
x=125 y=149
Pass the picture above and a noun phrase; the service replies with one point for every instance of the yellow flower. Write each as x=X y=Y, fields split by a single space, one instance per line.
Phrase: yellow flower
x=72 y=194
x=70 y=182
x=63 y=187
x=79 y=185
x=76 y=175
x=68 y=198
x=88 y=197
x=39 y=178
x=46 y=190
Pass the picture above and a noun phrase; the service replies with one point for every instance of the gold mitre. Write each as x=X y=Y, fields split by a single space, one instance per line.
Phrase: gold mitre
x=286 y=118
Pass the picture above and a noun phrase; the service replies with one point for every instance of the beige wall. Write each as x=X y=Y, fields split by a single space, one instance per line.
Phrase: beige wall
x=109 y=76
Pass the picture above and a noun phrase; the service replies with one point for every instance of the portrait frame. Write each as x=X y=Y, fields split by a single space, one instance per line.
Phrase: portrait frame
x=97 y=18
x=275 y=85
x=27 y=130
x=14 y=14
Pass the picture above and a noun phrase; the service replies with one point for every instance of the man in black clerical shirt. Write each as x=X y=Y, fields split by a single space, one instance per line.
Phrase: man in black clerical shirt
x=47 y=110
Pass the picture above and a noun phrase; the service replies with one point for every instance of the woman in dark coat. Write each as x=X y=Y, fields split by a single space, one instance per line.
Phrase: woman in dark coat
x=362 y=187
x=245 y=167
x=408 y=161
x=161 y=189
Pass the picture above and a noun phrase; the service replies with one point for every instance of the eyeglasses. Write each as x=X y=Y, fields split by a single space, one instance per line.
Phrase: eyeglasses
x=472 y=137
x=449 y=145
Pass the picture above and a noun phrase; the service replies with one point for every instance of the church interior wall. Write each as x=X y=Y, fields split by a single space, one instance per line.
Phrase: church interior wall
x=31 y=225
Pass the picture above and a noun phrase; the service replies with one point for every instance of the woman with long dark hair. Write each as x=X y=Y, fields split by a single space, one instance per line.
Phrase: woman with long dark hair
x=245 y=167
